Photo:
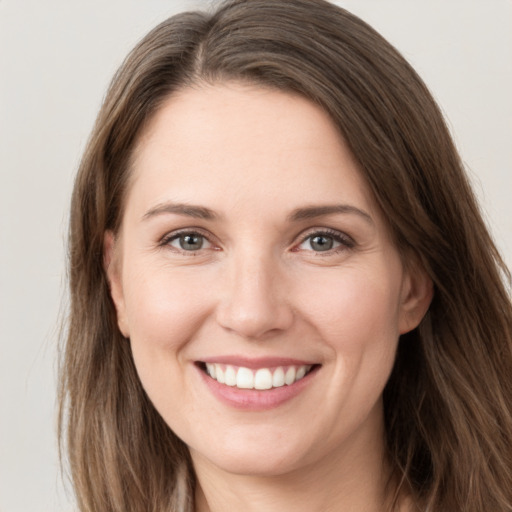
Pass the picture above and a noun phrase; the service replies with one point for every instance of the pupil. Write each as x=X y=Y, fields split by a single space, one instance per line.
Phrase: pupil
x=191 y=242
x=321 y=243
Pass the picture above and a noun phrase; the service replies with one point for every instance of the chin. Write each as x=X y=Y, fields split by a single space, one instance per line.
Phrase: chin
x=254 y=457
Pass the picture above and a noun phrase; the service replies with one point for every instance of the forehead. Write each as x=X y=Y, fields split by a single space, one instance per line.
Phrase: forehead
x=229 y=144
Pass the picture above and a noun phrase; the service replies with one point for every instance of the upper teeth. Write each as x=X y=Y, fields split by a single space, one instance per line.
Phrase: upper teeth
x=263 y=378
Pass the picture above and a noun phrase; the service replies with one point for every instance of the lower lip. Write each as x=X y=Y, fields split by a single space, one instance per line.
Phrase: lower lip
x=253 y=399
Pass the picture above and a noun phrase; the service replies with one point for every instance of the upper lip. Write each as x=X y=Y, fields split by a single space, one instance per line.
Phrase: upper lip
x=255 y=363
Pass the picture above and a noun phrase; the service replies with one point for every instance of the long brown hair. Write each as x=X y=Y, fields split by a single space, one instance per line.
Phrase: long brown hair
x=448 y=403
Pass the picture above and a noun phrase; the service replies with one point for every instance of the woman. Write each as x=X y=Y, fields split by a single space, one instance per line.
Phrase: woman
x=282 y=292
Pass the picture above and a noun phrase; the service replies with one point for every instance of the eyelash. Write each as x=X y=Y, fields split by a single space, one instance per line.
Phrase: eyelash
x=175 y=235
x=345 y=241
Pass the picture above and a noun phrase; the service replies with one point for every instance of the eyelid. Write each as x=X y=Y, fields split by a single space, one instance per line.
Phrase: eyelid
x=173 y=235
x=346 y=241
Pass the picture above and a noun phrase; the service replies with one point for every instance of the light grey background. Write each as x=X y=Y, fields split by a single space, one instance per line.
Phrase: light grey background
x=56 y=59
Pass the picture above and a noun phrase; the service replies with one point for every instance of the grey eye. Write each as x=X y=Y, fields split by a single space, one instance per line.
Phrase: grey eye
x=189 y=242
x=321 y=243
x=325 y=242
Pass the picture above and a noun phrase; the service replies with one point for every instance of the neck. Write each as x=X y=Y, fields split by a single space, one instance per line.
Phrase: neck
x=355 y=478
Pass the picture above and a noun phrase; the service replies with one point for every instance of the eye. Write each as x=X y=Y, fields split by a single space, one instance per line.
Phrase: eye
x=325 y=241
x=189 y=241
x=321 y=242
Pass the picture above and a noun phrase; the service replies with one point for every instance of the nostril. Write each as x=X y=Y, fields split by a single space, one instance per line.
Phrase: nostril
x=256 y=320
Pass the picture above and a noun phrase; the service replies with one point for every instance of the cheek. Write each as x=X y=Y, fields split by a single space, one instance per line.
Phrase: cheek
x=164 y=311
x=162 y=306
x=356 y=315
x=353 y=309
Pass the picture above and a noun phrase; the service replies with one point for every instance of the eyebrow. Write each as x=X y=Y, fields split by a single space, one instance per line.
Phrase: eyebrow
x=188 y=210
x=312 y=212
x=201 y=212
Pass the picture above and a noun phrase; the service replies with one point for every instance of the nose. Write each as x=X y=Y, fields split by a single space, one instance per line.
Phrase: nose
x=253 y=303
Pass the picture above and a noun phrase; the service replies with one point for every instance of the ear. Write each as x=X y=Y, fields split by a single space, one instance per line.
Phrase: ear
x=111 y=264
x=417 y=293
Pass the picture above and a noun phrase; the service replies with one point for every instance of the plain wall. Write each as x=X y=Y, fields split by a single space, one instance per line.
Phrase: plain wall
x=56 y=59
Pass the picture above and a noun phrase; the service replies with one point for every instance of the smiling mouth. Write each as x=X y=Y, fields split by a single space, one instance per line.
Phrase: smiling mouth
x=259 y=379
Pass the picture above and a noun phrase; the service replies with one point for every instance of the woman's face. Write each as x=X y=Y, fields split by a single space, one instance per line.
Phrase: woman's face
x=252 y=250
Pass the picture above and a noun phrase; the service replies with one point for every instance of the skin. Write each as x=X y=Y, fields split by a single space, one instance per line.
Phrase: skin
x=258 y=287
